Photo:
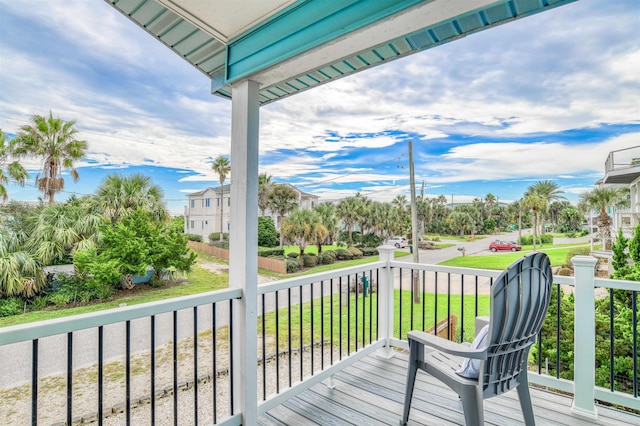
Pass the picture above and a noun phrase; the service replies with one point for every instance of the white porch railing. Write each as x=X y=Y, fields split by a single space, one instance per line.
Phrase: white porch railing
x=376 y=328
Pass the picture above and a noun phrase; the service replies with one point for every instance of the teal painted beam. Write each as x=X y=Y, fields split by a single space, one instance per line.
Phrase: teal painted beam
x=303 y=26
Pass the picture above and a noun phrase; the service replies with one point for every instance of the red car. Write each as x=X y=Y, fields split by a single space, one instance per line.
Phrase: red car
x=504 y=245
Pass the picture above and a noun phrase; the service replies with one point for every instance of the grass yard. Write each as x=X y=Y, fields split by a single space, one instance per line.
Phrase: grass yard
x=346 y=320
x=557 y=256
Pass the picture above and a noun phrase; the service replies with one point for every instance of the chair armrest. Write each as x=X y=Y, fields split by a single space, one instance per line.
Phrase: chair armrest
x=447 y=346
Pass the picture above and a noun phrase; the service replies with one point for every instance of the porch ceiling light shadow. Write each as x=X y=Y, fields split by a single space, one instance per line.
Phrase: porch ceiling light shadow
x=289 y=46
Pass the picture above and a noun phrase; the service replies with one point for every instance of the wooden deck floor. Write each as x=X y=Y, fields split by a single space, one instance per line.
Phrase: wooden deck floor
x=371 y=392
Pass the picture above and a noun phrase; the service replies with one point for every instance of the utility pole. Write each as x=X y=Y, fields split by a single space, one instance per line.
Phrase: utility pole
x=414 y=226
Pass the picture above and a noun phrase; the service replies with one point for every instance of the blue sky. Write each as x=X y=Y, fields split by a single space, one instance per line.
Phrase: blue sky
x=542 y=98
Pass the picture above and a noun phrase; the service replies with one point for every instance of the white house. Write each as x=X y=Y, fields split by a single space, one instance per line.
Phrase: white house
x=202 y=213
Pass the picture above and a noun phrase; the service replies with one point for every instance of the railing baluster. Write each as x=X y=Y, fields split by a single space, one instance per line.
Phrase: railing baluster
x=634 y=320
x=321 y=325
x=100 y=373
x=364 y=310
x=231 y=401
x=301 y=335
x=411 y=286
x=69 y=378
x=195 y=365
x=448 y=307
x=559 y=301
x=127 y=374
x=214 y=343
x=400 y=298
x=175 y=367
x=424 y=303
x=331 y=321
x=348 y=316
x=34 y=382
x=153 y=369
x=355 y=325
x=277 y=319
x=312 y=339
x=476 y=302
x=340 y=315
x=264 y=350
x=435 y=304
x=462 y=308
x=378 y=301
x=611 y=341
x=371 y=305
x=290 y=348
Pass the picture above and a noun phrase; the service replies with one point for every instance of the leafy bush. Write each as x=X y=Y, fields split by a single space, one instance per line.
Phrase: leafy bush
x=267 y=252
x=292 y=266
x=215 y=236
x=267 y=233
x=293 y=255
x=357 y=254
x=326 y=258
x=578 y=251
x=369 y=251
x=219 y=244
x=371 y=240
x=194 y=237
x=565 y=272
x=331 y=253
x=344 y=254
x=10 y=307
x=544 y=238
x=310 y=260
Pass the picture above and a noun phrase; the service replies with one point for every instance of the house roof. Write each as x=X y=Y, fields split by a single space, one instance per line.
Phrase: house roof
x=289 y=46
x=225 y=188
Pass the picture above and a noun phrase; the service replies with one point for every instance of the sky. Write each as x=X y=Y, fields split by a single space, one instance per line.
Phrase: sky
x=541 y=98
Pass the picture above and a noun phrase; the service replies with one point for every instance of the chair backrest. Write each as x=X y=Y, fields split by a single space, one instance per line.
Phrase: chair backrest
x=519 y=302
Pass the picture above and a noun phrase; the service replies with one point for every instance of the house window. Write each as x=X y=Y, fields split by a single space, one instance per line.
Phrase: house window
x=193 y=204
x=207 y=202
x=192 y=223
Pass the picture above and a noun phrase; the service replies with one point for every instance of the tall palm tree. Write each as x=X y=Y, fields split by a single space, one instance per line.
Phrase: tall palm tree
x=119 y=196
x=303 y=226
x=536 y=202
x=9 y=170
x=54 y=140
x=326 y=211
x=222 y=167
x=461 y=220
x=490 y=200
x=550 y=192
x=347 y=210
x=282 y=199
x=600 y=199
x=264 y=186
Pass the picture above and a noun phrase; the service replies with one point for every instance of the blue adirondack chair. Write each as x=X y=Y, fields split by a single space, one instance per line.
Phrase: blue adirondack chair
x=519 y=303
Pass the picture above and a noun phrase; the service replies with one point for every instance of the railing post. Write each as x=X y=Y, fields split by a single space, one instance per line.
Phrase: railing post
x=584 y=336
x=243 y=247
x=385 y=296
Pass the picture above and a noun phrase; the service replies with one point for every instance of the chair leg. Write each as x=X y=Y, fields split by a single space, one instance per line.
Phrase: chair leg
x=472 y=405
x=415 y=356
x=525 y=403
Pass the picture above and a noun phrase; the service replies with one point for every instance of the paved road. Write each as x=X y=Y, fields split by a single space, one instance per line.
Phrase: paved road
x=15 y=360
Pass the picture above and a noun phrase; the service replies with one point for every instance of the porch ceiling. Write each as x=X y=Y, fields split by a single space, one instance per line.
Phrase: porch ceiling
x=289 y=46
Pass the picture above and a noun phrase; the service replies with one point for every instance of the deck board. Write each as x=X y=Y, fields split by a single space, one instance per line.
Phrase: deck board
x=371 y=392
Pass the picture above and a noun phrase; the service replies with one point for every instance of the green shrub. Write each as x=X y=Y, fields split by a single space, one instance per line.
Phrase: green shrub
x=544 y=238
x=565 y=272
x=331 y=253
x=293 y=255
x=270 y=252
x=267 y=233
x=292 y=266
x=371 y=240
x=584 y=232
x=10 y=307
x=571 y=234
x=344 y=254
x=38 y=303
x=326 y=259
x=357 y=254
x=215 y=236
x=369 y=251
x=194 y=237
x=310 y=260
x=578 y=251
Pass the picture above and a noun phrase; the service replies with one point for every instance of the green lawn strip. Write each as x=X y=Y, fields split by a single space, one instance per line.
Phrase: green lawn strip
x=364 y=309
x=198 y=281
x=443 y=245
x=557 y=256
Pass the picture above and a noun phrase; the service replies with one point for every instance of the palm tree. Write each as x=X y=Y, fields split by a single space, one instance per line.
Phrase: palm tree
x=282 y=199
x=536 y=202
x=119 y=196
x=264 y=186
x=600 y=199
x=222 y=167
x=303 y=226
x=54 y=140
x=20 y=272
x=490 y=201
x=348 y=211
x=326 y=211
x=550 y=192
x=461 y=220
x=12 y=170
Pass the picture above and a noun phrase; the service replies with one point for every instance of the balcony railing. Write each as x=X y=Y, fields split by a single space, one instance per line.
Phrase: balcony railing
x=176 y=358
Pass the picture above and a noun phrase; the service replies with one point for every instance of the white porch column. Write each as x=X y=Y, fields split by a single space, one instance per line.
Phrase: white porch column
x=584 y=336
x=385 y=296
x=243 y=246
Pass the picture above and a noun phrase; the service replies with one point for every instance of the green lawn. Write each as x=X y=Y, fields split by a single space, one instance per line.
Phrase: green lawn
x=557 y=256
